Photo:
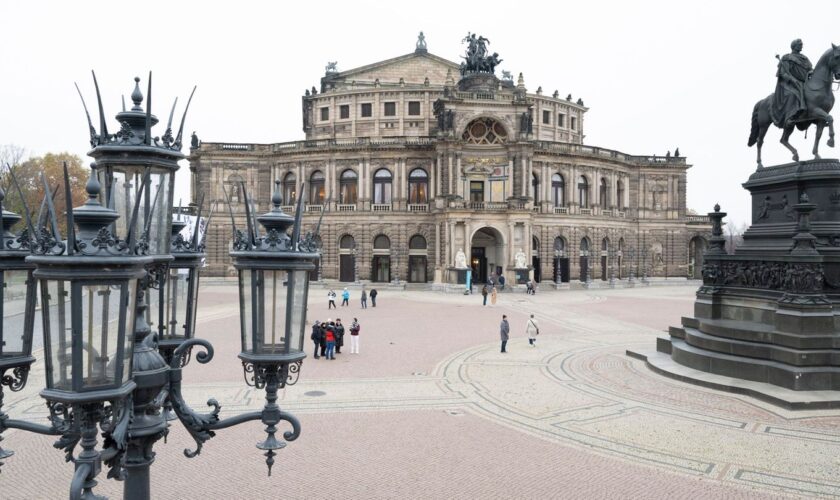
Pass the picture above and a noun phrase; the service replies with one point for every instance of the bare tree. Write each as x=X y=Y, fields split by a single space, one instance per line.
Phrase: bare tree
x=734 y=234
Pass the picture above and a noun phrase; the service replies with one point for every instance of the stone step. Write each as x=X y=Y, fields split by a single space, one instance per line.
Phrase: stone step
x=791 y=356
x=751 y=331
x=811 y=378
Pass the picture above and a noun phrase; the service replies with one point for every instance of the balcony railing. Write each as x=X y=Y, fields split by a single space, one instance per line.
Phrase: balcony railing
x=418 y=207
x=289 y=209
x=381 y=207
x=561 y=210
x=585 y=211
x=622 y=215
x=698 y=219
x=607 y=213
x=489 y=205
x=314 y=208
x=346 y=207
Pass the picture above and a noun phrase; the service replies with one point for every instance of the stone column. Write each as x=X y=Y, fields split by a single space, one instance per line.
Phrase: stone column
x=459 y=177
x=450 y=258
x=510 y=177
x=432 y=180
x=450 y=188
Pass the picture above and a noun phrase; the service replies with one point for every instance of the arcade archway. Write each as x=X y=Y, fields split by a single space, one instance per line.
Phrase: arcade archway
x=488 y=255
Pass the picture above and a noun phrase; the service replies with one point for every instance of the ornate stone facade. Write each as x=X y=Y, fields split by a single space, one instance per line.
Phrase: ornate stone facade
x=410 y=165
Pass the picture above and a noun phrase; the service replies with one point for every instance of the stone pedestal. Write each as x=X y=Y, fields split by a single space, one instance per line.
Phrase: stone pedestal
x=522 y=276
x=768 y=314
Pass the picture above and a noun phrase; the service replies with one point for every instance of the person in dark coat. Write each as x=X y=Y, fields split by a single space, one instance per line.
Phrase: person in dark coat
x=373 y=294
x=339 y=335
x=324 y=339
x=317 y=337
x=484 y=294
x=504 y=332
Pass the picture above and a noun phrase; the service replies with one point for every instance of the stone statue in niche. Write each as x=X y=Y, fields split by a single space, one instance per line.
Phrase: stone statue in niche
x=461 y=259
x=519 y=260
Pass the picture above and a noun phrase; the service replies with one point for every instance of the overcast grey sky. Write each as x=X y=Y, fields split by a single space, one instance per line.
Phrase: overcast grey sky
x=656 y=75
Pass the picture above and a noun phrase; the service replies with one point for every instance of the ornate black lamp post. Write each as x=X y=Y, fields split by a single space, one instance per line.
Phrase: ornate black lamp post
x=89 y=292
x=273 y=289
x=18 y=298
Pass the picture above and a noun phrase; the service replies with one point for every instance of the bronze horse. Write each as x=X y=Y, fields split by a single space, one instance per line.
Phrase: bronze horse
x=819 y=99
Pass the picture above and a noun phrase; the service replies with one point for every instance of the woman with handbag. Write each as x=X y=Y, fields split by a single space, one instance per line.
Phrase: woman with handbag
x=532 y=329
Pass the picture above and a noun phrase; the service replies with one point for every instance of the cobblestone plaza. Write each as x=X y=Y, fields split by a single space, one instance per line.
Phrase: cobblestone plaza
x=431 y=409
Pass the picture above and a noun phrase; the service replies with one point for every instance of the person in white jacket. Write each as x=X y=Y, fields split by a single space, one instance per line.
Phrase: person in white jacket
x=532 y=329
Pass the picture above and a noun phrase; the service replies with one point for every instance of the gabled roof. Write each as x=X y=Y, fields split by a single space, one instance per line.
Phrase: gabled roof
x=414 y=68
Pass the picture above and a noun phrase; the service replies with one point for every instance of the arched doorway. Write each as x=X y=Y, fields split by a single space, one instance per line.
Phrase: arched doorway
x=381 y=266
x=584 y=258
x=487 y=256
x=535 y=258
x=347 y=259
x=605 y=255
x=417 y=259
x=696 y=250
x=620 y=257
x=561 y=261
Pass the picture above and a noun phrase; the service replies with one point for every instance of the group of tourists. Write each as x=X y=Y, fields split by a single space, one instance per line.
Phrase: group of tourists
x=328 y=337
x=492 y=292
x=532 y=329
x=345 y=298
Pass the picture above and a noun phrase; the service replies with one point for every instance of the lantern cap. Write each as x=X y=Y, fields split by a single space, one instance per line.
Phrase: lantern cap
x=276 y=218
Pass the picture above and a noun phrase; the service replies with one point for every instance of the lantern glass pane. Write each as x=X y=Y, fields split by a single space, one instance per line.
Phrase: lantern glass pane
x=245 y=301
x=271 y=336
x=194 y=274
x=155 y=202
x=15 y=290
x=129 y=293
x=298 y=319
x=55 y=304
x=100 y=334
x=176 y=295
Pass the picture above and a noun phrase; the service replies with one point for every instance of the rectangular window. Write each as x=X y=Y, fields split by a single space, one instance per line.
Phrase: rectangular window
x=573 y=123
x=367 y=110
x=344 y=111
x=382 y=193
x=477 y=191
x=414 y=108
x=561 y=120
x=325 y=114
x=390 y=109
x=547 y=117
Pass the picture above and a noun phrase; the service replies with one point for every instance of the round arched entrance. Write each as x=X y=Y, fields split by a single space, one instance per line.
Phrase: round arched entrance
x=696 y=249
x=487 y=258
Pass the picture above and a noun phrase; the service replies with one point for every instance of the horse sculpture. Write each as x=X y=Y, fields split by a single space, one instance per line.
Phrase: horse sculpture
x=819 y=99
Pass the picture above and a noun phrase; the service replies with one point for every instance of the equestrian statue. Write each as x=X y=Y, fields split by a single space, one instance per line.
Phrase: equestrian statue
x=803 y=97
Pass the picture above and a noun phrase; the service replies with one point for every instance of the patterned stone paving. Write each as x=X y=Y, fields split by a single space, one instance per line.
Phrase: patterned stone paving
x=431 y=409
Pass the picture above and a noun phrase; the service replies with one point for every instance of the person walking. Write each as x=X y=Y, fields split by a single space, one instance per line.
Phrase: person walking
x=316 y=336
x=331 y=298
x=504 y=331
x=329 y=336
x=484 y=294
x=364 y=299
x=493 y=295
x=502 y=282
x=354 y=336
x=345 y=297
x=339 y=335
x=373 y=294
x=532 y=329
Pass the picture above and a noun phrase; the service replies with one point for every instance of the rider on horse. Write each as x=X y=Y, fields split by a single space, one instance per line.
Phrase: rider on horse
x=789 y=98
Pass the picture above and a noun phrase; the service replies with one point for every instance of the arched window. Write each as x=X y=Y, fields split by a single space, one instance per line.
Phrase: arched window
x=605 y=244
x=603 y=194
x=418 y=186
x=348 y=182
x=417 y=242
x=559 y=244
x=485 y=131
x=558 y=190
x=621 y=245
x=619 y=193
x=317 y=188
x=289 y=189
x=382 y=187
x=583 y=192
x=381 y=242
x=584 y=244
x=535 y=187
x=347 y=242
